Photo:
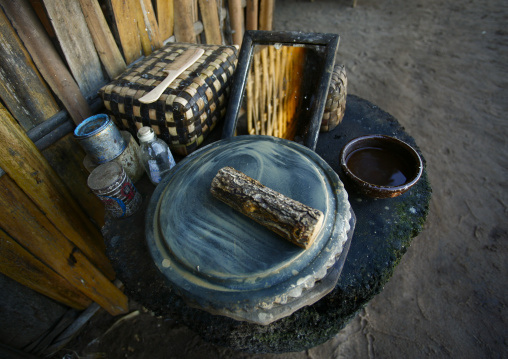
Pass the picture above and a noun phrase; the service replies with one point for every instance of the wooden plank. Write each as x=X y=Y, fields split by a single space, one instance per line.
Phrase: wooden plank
x=45 y=56
x=125 y=20
x=266 y=15
x=184 y=26
x=76 y=44
x=210 y=17
x=252 y=14
x=30 y=170
x=147 y=27
x=21 y=87
x=236 y=16
x=18 y=264
x=66 y=158
x=165 y=18
x=102 y=37
x=22 y=220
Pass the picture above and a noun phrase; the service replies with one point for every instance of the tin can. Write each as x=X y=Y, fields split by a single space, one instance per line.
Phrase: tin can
x=114 y=188
x=129 y=159
x=100 y=138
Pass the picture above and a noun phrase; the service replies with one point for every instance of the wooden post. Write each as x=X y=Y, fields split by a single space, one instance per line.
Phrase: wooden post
x=21 y=87
x=103 y=38
x=46 y=58
x=211 y=25
x=29 y=169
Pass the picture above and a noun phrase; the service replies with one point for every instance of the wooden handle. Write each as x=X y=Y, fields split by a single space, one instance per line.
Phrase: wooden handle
x=293 y=220
x=174 y=70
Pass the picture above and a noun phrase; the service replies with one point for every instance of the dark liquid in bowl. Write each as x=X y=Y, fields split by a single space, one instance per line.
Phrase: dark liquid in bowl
x=379 y=166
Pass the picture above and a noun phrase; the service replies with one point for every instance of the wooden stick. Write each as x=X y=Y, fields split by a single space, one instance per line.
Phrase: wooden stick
x=210 y=17
x=165 y=18
x=250 y=104
x=46 y=58
x=236 y=15
x=71 y=29
x=148 y=28
x=257 y=88
x=252 y=14
x=293 y=220
x=265 y=98
x=266 y=15
x=125 y=22
x=109 y=52
x=184 y=25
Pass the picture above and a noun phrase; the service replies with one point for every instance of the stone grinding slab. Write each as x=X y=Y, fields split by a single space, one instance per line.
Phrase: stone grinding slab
x=220 y=260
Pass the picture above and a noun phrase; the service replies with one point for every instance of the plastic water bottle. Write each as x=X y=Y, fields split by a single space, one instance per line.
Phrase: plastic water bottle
x=155 y=154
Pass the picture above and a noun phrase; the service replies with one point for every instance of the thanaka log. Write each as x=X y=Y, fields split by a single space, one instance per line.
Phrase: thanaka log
x=293 y=220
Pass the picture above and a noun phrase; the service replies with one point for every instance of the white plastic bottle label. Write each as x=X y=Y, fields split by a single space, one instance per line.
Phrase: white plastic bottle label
x=155 y=173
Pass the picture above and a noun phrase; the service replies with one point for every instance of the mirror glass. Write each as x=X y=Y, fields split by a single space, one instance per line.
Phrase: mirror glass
x=279 y=94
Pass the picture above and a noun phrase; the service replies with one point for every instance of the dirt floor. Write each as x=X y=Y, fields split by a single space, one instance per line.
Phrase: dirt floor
x=441 y=68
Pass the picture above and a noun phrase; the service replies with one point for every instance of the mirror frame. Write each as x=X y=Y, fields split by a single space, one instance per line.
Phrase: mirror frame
x=252 y=38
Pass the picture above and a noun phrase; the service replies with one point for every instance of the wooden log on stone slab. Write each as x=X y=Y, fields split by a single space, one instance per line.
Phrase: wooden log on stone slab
x=293 y=220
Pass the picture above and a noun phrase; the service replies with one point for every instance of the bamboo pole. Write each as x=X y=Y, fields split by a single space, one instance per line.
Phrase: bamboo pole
x=252 y=14
x=184 y=25
x=266 y=15
x=125 y=21
x=165 y=18
x=210 y=16
x=236 y=16
x=264 y=106
x=147 y=27
x=250 y=104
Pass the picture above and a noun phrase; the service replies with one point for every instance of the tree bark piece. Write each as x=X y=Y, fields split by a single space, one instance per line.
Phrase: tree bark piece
x=293 y=220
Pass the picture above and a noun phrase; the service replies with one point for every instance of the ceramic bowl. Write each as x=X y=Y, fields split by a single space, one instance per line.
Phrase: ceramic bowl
x=381 y=166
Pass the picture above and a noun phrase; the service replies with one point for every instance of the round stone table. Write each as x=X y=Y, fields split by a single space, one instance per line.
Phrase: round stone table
x=384 y=230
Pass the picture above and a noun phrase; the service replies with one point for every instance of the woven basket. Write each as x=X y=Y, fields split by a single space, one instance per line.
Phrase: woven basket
x=188 y=109
x=335 y=106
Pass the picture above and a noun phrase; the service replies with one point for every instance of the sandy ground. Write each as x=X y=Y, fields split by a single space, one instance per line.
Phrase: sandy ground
x=441 y=68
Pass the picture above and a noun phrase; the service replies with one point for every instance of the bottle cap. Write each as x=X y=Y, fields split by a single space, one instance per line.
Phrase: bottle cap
x=145 y=134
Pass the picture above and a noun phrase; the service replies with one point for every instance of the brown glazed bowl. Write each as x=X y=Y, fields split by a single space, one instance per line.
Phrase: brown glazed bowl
x=381 y=166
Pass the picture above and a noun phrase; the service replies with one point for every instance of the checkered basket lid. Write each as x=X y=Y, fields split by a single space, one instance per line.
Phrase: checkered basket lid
x=188 y=109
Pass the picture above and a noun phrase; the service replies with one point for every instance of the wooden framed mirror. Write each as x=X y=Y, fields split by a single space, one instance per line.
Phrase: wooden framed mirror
x=280 y=85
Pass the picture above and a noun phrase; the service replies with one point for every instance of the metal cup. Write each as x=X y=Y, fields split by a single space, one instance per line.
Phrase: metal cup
x=100 y=138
